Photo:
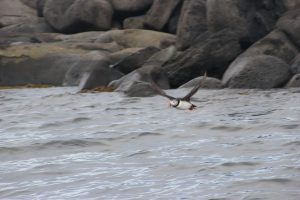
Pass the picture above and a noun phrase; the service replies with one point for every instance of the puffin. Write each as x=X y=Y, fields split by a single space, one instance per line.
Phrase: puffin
x=181 y=103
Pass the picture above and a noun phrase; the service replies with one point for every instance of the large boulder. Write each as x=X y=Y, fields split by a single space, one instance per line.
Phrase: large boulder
x=261 y=71
x=296 y=65
x=151 y=71
x=15 y=12
x=192 y=23
x=275 y=44
x=39 y=63
x=250 y=19
x=78 y=15
x=131 y=6
x=159 y=13
x=135 y=60
x=289 y=23
x=210 y=52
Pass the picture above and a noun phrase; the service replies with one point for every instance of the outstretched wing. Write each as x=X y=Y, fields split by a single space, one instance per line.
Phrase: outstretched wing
x=160 y=91
x=194 y=90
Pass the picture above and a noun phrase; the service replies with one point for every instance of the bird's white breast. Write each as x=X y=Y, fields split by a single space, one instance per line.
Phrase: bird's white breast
x=184 y=105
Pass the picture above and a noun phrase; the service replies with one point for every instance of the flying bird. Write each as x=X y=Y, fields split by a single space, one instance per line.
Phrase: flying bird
x=183 y=103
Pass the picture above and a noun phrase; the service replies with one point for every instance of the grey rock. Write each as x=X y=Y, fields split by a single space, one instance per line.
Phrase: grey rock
x=250 y=19
x=42 y=63
x=76 y=15
x=262 y=72
x=289 y=23
x=211 y=53
x=48 y=70
x=135 y=60
x=294 y=82
x=208 y=83
x=30 y=3
x=15 y=12
x=122 y=54
x=34 y=26
x=150 y=71
x=291 y=4
x=140 y=89
x=99 y=74
x=192 y=23
x=275 y=44
x=160 y=13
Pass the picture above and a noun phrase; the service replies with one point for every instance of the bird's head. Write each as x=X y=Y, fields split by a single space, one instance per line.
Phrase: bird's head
x=174 y=102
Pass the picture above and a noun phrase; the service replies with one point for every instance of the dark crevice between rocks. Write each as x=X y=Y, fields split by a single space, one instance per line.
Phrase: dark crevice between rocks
x=79 y=27
x=174 y=18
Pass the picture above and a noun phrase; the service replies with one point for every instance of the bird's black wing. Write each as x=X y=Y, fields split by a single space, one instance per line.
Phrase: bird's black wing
x=160 y=91
x=194 y=90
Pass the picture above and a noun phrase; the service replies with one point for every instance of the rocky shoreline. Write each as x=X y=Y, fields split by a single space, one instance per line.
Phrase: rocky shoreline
x=122 y=44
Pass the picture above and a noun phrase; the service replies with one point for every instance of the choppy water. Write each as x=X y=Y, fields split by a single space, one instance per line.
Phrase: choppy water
x=238 y=144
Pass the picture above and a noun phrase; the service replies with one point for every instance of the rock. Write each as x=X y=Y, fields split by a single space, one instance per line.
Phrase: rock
x=250 y=19
x=131 y=5
x=38 y=63
x=289 y=23
x=291 y=4
x=208 y=83
x=103 y=47
x=140 y=89
x=134 y=22
x=211 y=53
x=192 y=23
x=135 y=60
x=90 y=41
x=30 y=3
x=151 y=70
x=294 y=82
x=116 y=57
x=7 y=39
x=15 y=12
x=132 y=38
x=85 y=37
x=71 y=16
x=34 y=26
x=98 y=74
x=275 y=44
x=261 y=71
x=296 y=65
x=159 y=13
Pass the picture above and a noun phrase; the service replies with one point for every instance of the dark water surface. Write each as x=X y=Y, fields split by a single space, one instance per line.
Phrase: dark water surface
x=238 y=144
